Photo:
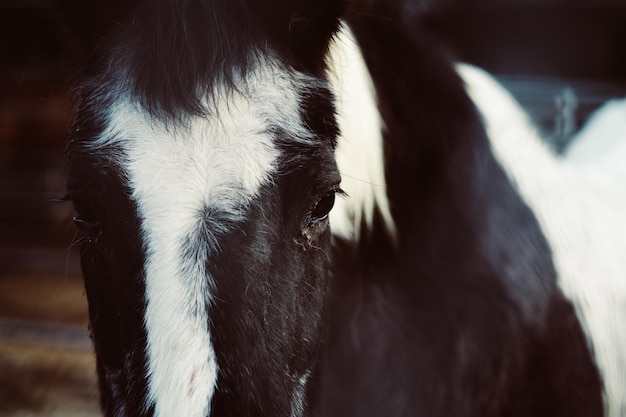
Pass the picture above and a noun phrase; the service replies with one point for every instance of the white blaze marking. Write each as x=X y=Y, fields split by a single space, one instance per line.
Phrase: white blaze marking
x=175 y=172
x=360 y=146
x=582 y=218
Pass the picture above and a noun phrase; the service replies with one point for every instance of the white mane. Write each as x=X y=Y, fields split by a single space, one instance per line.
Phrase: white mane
x=580 y=205
x=360 y=146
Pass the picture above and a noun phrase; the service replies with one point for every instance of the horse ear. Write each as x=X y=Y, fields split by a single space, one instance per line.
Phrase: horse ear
x=302 y=26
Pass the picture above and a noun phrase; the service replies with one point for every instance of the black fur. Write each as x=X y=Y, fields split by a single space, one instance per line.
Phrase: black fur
x=172 y=53
x=112 y=261
x=462 y=317
x=266 y=321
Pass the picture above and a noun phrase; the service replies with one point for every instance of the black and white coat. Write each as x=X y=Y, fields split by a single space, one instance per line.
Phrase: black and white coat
x=490 y=280
x=469 y=271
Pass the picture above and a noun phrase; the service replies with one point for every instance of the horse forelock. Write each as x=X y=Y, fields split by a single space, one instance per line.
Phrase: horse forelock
x=173 y=53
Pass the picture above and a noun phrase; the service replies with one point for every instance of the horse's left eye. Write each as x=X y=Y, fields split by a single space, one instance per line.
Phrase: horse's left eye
x=323 y=207
x=84 y=216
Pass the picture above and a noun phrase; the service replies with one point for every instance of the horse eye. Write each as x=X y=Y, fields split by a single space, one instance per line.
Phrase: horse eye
x=323 y=207
x=84 y=217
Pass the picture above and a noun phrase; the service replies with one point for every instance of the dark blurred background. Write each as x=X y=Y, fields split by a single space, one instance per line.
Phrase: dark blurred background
x=46 y=363
x=561 y=58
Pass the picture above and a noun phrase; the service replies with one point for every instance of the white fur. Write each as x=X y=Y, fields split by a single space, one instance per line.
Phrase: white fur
x=602 y=141
x=175 y=173
x=360 y=147
x=584 y=223
x=297 y=401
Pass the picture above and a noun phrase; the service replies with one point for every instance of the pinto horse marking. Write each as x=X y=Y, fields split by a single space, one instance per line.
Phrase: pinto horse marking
x=185 y=208
x=360 y=146
x=465 y=312
x=203 y=168
x=561 y=192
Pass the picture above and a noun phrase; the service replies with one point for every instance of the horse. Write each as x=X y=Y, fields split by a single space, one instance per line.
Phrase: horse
x=212 y=140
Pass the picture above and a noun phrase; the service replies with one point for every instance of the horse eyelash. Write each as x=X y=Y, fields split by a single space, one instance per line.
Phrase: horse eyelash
x=340 y=192
x=61 y=200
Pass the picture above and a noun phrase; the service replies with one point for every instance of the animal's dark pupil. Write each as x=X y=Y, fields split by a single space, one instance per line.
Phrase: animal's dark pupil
x=324 y=206
x=84 y=217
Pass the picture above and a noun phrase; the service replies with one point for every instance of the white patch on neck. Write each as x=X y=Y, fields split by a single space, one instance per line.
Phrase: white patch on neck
x=580 y=215
x=360 y=145
x=602 y=141
x=175 y=173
